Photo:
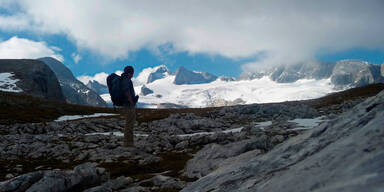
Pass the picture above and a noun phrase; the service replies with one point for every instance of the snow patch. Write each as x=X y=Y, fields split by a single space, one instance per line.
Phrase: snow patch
x=8 y=83
x=307 y=123
x=116 y=133
x=74 y=117
x=121 y=134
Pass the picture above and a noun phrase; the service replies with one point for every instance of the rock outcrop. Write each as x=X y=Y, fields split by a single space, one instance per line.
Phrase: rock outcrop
x=74 y=91
x=185 y=76
x=81 y=177
x=145 y=90
x=223 y=102
x=35 y=78
x=226 y=78
x=315 y=158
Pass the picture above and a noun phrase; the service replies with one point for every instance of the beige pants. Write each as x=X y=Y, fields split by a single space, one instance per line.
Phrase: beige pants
x=130 y=118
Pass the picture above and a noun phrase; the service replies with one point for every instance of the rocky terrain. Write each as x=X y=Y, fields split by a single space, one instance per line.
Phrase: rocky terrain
x=33 y=78
x=239 y=148
x=75 y=92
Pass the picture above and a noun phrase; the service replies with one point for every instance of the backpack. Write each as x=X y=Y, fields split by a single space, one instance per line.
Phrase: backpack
x=114 y=88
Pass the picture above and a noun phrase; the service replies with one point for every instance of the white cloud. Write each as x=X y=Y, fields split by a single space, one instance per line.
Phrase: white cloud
x=76 y=57
x=20 y=48
x=288 y=31
x=99 y=77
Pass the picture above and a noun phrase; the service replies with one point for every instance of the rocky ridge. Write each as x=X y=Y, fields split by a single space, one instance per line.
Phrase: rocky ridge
x=97 y=87
x=315 y=158
x=75 y=92
x=352 y=73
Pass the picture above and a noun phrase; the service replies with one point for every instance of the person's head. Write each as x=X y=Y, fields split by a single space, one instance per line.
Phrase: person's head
x=129 y=71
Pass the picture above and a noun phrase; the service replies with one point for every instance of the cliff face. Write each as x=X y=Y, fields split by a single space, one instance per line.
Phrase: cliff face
x=35 y=78
x=75 y=92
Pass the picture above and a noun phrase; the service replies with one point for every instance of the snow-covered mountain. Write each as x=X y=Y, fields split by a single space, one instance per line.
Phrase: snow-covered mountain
x=185 y=76
x=149 y=75
x=74 y=91
x=188 y=88
x=343 y=74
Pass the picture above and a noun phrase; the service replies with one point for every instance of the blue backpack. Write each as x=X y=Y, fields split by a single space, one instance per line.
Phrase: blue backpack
x=114 y=88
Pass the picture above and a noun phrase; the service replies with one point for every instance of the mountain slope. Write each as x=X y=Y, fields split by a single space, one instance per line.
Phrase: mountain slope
x=32 y=77
x=74 y=91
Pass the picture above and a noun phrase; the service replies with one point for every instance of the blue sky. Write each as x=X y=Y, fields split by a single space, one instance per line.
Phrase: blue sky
x=216 y=37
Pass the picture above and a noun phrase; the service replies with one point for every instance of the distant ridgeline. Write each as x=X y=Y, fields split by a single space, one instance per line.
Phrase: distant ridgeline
x=353 y=73
x=45 y=78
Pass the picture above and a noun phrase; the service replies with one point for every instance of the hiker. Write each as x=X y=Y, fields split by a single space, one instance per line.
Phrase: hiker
x=129 y=103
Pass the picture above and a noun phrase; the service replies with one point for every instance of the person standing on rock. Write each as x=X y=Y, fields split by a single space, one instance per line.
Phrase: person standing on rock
x=130 y=100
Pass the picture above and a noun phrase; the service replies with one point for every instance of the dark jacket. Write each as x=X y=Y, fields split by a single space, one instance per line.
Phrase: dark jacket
x=127 y=86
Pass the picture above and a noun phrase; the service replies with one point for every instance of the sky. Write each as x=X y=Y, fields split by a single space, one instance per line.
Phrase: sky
x=222 y=37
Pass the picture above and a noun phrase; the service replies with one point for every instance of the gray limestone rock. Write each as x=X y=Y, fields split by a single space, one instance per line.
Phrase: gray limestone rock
x=211 y=156
x=21 y=183
x=349 y=148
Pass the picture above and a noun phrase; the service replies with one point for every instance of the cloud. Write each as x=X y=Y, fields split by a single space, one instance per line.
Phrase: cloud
x=99 y=77
x=20 y=48
x=287 y=31
x=76 y=57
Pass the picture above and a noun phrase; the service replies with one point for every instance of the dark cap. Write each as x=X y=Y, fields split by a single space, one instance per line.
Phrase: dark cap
x=129 y=69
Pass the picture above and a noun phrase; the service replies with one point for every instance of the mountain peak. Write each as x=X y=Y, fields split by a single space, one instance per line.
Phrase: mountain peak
x=159 y=72
x=61 y=71
x=185 y=76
